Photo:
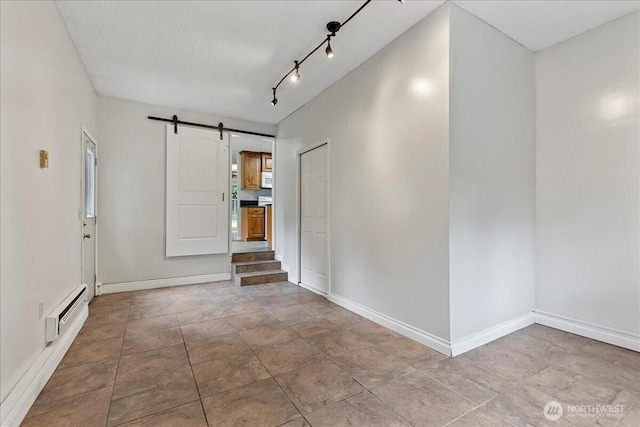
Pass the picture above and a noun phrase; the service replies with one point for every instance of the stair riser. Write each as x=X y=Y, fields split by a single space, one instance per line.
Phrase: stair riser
x=239 y=269
x=253 y=256
x=259 y=280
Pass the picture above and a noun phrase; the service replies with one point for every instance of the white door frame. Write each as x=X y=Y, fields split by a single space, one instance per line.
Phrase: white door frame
x=325 y=141
x=273 y=193
x=85 y=132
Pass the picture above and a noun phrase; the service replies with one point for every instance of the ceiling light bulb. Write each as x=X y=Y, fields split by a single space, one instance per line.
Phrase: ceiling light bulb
x=329 y=51
x=296 y=75
x=274 y=101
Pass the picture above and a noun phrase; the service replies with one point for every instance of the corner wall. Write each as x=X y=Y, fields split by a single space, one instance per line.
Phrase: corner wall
x=388 y=124
x=131 y=196
x=588 y=179
x=492 y=178
x=46 y=98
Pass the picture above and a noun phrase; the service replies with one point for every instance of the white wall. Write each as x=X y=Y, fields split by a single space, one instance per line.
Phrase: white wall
x=588 y=177
x=389 y=178
x=131 y=194
x=492 y=193
x=46 y=98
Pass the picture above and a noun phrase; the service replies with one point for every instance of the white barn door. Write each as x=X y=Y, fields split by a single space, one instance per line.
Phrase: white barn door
x=314 y=249
x=197 y=182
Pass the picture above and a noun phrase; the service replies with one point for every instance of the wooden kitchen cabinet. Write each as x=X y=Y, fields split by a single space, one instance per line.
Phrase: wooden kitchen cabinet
x=250 y=170
x=253 y=221
x=267 y=162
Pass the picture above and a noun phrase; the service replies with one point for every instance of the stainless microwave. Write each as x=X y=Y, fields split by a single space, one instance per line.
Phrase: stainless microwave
x=267 y=180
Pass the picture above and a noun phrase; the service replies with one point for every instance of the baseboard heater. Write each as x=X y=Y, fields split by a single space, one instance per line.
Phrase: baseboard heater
x=62 y=316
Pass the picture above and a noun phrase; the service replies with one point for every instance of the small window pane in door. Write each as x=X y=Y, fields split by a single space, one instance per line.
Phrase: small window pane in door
x=90 y=171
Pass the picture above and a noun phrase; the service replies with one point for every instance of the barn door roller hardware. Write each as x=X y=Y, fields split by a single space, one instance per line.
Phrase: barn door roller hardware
x=220 y=127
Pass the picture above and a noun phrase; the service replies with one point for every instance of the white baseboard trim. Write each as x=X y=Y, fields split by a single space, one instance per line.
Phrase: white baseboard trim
x=402 y=328
x=490 y=334
x=17 y=404
x=589 y=330
x=309 y=288
x=110 y=288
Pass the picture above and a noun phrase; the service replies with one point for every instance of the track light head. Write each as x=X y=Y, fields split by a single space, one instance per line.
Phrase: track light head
x=333 y=27
x=296 y=74
x=328 y=50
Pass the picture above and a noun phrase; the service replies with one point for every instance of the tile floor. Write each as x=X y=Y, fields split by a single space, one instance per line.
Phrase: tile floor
x=271 y=355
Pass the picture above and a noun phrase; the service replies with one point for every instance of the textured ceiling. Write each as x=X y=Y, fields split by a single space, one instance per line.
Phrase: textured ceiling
x=223 y=57
x=540 y=24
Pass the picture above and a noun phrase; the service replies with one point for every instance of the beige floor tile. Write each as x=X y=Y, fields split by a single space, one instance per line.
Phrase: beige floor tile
x=210 y=328
x=242 y=308
x=632 y=419
x=96 y=351
x=372 y=332
x=474 y=381
x=86 y=409
x=189 y=415
x=422 y=401
x=253 y=320
x=288 y=356
x=79 y=379
x=151 y=340
x=370 y=367
x=198 y=316
x=105 y=317
x=524 y=406
x=97 y=332
x=314 y=326
x=151 y=363
x=336 y=342
x=479 y=418
x=140 y=398
x=363 y=409
x=511 y=364
x=217 y=347
x=259 y=404
x=220 y=375
x=268 y=335
x=411 y=352
x=99 y=306
x=149 y=324
x=312 y=387
x=299 y=312
x=298 y=422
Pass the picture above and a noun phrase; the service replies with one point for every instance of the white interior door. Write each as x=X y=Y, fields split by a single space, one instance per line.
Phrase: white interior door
x=197 y=186
x=313 y=219
x=89 y=205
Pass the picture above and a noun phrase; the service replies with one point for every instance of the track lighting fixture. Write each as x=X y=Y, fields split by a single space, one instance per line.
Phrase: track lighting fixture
x=328 y=50
x=333 y=27
x=296 y=72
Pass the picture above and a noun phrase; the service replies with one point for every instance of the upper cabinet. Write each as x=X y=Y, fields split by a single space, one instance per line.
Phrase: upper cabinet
x=266 y=162
x=250 y=170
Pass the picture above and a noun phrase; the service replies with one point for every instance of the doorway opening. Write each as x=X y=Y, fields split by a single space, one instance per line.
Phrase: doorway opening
x=252 y=168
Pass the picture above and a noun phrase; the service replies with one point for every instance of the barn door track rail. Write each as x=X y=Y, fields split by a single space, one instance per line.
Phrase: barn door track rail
x=220 y=127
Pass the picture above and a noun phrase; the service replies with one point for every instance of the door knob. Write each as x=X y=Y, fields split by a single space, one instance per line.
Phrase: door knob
x=87 y=236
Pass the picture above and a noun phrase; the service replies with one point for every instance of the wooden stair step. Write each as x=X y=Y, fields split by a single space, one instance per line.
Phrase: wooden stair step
x=261 y=277
x=253 y=256
x=251 y=266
